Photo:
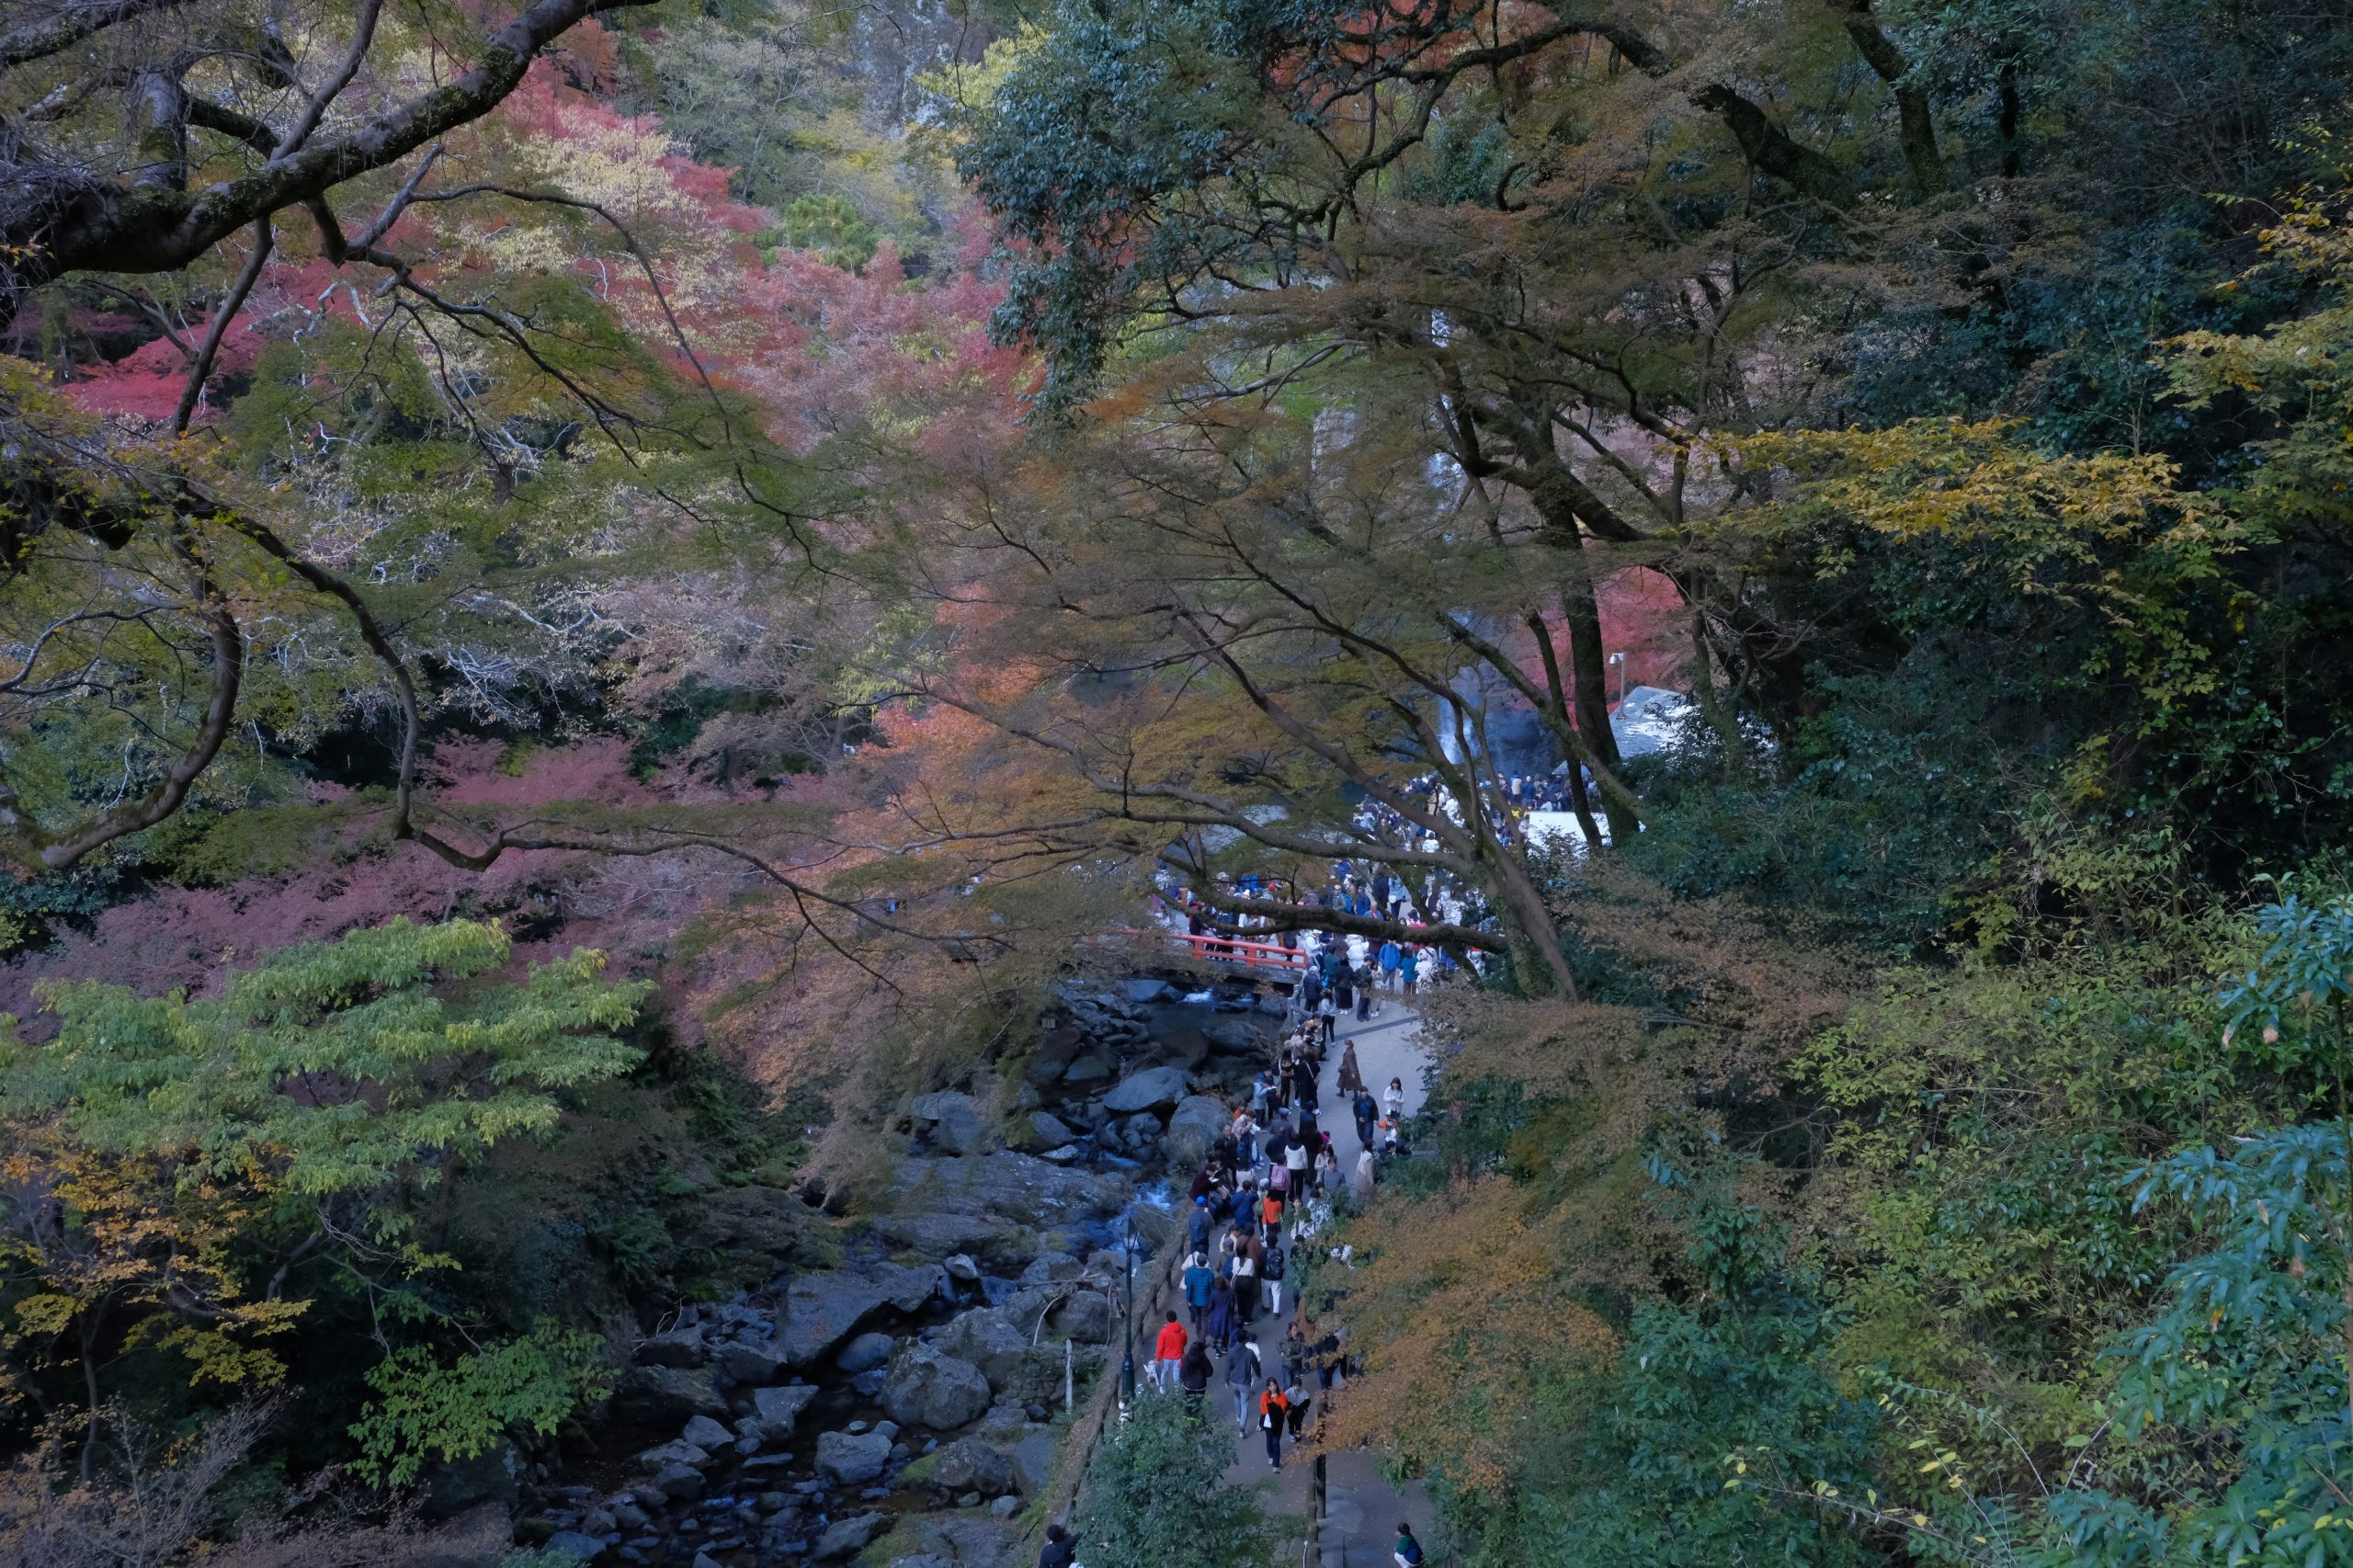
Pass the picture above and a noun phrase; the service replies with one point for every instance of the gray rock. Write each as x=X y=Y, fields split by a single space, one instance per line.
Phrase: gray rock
x=971 y=1465
x=778 y=1409
x=1070 y=1153
x=751 y=1364
x=1049 y=1266
x=677 y=1452
x=1143 y=991
x=821 y=1311
x=665 y=1396
x=705 y=1560
x=705 y=1433
x=865 y=1351
x=1005 y=1186
x=844 y=1535
x=1154 y=1088
x=852 y=1460
x=1033 y=1462
x=953 y=1123
x=942 y=1232
x=1233 y=1037
x=1198 y=1120
x=927 y=1388
x=964 y=1541
x=988 y=1341
x=454 y=1487
x=1086 y=1317
x=1048 y=1130
x=1094 y=1067
x=683 y=1481
x=628 y=1515
x=679 y=1348
x=577 y=1545
x=962 y=1269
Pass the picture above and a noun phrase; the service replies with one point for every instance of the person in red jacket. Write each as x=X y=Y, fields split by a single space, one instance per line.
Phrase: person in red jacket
x=1167 y=1354
x=1272 y=1408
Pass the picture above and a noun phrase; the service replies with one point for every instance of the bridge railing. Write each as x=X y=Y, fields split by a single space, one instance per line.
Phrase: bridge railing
x=1209 y=948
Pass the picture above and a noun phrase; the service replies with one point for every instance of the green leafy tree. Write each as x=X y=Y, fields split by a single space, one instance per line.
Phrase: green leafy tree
x=425 y=1410
x=1155 y=1497
x=207 y=1149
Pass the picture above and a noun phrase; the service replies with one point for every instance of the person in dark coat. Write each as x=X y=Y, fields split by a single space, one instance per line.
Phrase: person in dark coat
x=1220 y=1316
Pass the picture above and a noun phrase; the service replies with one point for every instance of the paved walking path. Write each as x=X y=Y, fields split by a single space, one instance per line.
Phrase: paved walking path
x=1362 y=1509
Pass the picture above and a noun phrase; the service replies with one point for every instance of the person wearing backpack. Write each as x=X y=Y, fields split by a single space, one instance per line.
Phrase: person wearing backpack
x=1408 y=1551
x=1270 y=1275
x=1198 y=1277
x=1246 y=1289
x=1241 y=1373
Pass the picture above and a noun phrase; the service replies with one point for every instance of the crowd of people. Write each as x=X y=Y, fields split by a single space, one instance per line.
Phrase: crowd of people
x=1265 y=1190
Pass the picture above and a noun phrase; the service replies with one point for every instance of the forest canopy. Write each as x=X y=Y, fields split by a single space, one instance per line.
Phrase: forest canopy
x=602 y=598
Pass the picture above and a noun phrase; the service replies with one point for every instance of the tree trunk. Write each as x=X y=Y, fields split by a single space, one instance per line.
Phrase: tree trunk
x=1589 y=690
x=1530 y=918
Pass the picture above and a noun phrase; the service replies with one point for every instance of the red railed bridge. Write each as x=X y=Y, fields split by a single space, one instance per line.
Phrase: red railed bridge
x=1235 y=952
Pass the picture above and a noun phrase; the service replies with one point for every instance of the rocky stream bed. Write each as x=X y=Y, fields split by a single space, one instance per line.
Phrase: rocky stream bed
x=908 y=1406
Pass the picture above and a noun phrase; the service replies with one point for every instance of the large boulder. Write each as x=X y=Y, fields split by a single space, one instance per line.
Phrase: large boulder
x=964 y=1539
x=1033 y=1461
x=777 y=1409
x=1008 y=1187
x=1194 y=1126
x=454 y=1487
x=705 y=1433
x=665 y=1396
x=1043 y=1129
x=1154 y=1088
x=953 y=1123
x=941 y=1232
x=852 y=1458
x=970 y=1465
x=751 y=1364
x=1233 y=1037
x=578 y=1547
x=821 y=1311
x=864 y=1353
x=844 y=1535
x=678 y=1453
x=1087 y=1071
x=1086 y=1317
x=679 y=1348
x=926 y=1386
x=1015 y=1368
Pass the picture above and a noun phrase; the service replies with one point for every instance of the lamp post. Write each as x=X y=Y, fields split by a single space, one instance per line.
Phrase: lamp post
x=1620 y=660
x=1128 y=1358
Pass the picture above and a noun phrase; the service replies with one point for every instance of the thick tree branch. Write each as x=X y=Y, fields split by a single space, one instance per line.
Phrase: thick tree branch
x=66 y=25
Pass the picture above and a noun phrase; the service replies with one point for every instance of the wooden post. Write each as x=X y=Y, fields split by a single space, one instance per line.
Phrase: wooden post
x=1315 y=1507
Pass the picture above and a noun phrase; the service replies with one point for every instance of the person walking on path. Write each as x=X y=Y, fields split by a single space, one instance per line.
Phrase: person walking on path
x=1408 y=1551
x=1351 y=1079
x=1061 y=1550
x=1272 y=1408
x=1220 y=1324
x=1166 y=1353
x=1241 y=1376
x=1327 y=1017
x=1366 y=1110
x=1391 y=957
x=1270 y=1277
x=1392 y=1099
x=1246 y=1289
x=1194 y=1376
x=1198 y=1278
x=1409 y=970
x=1364 y=994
